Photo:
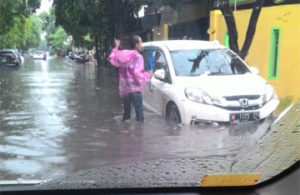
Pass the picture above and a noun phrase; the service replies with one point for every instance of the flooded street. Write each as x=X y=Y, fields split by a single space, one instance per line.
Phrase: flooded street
x=58 y=117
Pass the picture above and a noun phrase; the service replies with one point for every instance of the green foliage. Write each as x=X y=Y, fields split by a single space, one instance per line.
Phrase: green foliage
x=81 y=17
x=57 y=40
x=32 y=34
x=10 y=10
x=56 y=36
x=48 y=21
x=102 y=19
x=24 y=34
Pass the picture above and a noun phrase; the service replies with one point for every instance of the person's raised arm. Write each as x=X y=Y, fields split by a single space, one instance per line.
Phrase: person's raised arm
x=113 y=55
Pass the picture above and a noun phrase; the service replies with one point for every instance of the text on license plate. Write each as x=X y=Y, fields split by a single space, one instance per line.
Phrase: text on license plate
x=244 y=117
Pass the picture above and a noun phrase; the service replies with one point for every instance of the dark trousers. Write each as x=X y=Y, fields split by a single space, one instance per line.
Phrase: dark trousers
x=137 y=100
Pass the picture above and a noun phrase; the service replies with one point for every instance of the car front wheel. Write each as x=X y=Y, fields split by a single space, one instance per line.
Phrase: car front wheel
x=173 y=113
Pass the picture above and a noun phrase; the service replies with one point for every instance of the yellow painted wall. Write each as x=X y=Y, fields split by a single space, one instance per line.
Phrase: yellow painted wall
x=287 y=17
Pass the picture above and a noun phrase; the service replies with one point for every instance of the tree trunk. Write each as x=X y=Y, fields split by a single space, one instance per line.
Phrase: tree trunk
x=251 y=27
x=119 y=30
x=231 y=25
x=97 y=51
x=232 y=30
x=100 y=48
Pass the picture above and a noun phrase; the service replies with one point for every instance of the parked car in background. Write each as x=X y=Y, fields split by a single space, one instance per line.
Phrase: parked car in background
x=198 y=81
x=16 y=51
x=9 y=58
x=19 y=55
x=79 y=57
x=39 y=55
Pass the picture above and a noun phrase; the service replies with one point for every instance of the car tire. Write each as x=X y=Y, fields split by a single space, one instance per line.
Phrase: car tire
x=173 y=113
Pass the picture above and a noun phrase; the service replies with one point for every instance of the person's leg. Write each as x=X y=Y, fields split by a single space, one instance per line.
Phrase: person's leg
x=126 y=107
x=138 y=105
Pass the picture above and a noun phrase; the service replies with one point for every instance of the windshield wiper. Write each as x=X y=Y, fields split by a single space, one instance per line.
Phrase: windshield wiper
x=218 y=73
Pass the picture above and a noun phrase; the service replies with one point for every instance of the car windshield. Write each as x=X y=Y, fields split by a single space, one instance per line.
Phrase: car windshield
x=211 y=61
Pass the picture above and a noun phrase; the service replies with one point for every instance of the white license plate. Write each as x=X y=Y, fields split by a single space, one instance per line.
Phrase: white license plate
x=244 y=117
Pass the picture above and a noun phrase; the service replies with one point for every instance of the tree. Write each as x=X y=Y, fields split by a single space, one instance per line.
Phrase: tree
x=24 y=34
x=48 y=25
x=82 y=18
x=48 y=21
x=232 y=29
x=102 y=20
x=57 y=41
x=32 y=34
x=15 y=9
x=76 y=17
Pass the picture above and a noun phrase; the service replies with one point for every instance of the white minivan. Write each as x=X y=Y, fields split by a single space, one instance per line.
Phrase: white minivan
x=206 y=82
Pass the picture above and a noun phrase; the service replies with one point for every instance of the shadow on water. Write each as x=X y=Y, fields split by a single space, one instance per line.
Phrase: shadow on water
x=58 y=117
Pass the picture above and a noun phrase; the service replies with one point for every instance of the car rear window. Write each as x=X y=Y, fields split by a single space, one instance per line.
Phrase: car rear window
x=6 y=54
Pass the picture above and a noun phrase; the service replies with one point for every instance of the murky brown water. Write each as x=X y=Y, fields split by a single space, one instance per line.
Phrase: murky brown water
x=58 y=117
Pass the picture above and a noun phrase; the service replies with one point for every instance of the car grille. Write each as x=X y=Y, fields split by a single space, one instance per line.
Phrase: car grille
x=237 y=98
x=233 y=103
x=240 y=108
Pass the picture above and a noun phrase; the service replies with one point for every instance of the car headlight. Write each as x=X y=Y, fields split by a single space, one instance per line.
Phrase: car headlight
x=269 y=93
x=197 y=95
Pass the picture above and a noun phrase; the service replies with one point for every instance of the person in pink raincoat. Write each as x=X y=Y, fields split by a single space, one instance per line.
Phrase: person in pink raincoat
x=131 y=76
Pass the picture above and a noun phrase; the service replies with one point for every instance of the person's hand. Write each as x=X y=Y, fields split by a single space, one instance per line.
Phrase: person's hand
x=150 y=73
x=117 y=43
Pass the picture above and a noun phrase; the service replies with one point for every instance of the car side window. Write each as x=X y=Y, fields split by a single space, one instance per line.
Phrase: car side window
x=145 y=54
x=160 y=62
x=148 y=55
x=154 y=59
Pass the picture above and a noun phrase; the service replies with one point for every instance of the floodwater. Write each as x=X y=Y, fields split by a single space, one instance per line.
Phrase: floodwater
x=58 y=117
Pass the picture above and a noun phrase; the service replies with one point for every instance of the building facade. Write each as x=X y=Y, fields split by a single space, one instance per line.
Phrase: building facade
x=275 y=49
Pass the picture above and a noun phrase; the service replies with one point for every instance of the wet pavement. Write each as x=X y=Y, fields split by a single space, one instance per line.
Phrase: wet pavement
x=58 y=118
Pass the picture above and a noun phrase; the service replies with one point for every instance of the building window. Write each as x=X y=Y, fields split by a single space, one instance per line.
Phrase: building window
x=274 y=53
x=226 y=39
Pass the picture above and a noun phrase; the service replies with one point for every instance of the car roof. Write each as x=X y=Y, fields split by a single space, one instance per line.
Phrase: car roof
x=174 y=45
x=7 y=50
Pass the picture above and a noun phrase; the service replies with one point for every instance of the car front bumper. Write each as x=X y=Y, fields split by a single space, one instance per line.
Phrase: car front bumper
x=192 y=111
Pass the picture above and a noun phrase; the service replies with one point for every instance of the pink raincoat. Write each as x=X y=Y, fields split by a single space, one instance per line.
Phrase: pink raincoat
x=131 y=70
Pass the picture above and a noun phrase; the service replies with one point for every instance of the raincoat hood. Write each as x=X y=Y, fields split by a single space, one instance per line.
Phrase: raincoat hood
x=121 y=58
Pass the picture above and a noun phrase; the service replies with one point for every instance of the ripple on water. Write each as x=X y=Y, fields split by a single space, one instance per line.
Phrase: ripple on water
x=55 y=159
x=16 y=150
x=22 y=166
x=16 y=139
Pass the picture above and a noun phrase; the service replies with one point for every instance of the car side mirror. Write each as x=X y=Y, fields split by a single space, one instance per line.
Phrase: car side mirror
x=254 y=70
x=160 y=74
